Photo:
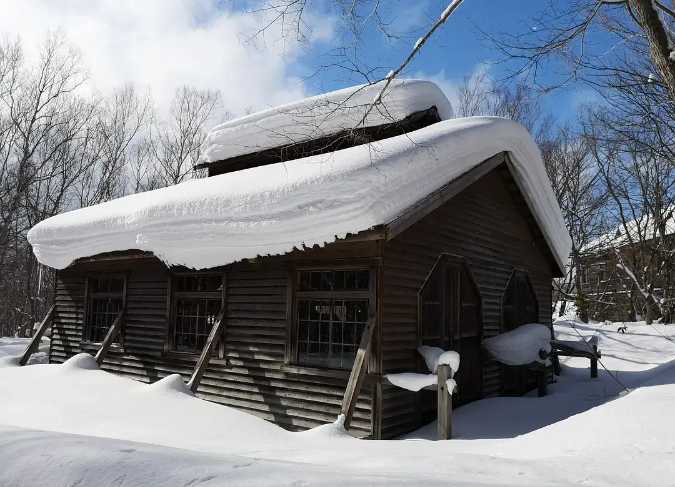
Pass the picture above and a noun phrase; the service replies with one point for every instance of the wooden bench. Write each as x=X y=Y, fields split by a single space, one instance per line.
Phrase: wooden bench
x=587 y=348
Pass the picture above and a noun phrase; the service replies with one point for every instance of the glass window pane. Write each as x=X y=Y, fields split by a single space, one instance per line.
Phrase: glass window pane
x=332 y=340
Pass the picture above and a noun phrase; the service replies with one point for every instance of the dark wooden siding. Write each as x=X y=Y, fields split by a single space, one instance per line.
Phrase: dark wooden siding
x=250 y=375
x=490 y=226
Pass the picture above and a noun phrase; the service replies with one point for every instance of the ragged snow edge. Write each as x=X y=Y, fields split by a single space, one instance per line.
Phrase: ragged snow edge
x=272 y=209
x=415 y=382
x=322 y=115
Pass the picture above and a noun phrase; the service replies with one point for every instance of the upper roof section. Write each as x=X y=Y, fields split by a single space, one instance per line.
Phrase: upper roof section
x=272 y=209
x=331 y=121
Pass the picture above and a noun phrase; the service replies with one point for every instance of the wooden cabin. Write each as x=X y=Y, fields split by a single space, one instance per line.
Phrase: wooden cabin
x=468 y=260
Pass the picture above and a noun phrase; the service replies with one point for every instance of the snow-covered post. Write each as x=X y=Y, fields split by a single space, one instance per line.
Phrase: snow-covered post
x=444 y=403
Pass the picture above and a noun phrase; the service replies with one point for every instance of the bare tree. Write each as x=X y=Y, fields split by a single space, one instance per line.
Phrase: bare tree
x=175 y=144
x=565 y=30
x=62 y=148
x=581 y=195
x=117 y=134
x=641 y=188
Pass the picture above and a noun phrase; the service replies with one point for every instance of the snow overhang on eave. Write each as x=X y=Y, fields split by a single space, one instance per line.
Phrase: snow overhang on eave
x=273 y=209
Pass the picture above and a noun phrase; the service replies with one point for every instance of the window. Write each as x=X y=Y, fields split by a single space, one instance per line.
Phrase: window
x=450 y=317
x=105 y=299
x=332 y=313
x=197 y=300
x=519 y=303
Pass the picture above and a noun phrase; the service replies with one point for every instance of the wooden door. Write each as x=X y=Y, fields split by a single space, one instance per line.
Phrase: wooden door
x=450 y=318
x=467 y=340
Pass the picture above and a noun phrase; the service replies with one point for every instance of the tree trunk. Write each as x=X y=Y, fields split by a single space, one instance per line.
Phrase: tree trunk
x=659 y=45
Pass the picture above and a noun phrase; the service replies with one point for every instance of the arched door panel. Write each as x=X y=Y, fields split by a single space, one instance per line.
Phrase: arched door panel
x=450 y=318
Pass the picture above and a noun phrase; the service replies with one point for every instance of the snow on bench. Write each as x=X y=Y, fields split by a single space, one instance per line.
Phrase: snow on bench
x=585 y=348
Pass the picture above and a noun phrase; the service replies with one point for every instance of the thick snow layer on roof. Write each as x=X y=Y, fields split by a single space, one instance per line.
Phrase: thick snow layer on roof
x=636 y=230
x=322 y=115
x=272 y=209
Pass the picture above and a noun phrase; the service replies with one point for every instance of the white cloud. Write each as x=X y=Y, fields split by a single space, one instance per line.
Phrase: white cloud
x=163 y=44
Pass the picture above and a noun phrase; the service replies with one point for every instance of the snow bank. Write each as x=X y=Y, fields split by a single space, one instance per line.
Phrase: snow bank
x=11 y=350
x=272 y=209
x=520 y=346
x=81 y=361
x=581 y=427
x=86 y=400
x=169 y=385
x=329 y=431
x=322 y=115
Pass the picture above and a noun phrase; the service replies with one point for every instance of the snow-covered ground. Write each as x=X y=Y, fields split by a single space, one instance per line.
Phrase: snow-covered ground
x=72 y=424
x=11 y=350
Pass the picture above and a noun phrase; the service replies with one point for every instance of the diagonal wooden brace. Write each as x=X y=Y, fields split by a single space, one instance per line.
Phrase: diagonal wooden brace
x=357 y=374
x=113 y=331
x=35 y=341
x=211 y=342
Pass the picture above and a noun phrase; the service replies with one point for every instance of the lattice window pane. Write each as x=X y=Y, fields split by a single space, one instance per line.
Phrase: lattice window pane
x=194 y=318
x=105 y=301
x=331 y=335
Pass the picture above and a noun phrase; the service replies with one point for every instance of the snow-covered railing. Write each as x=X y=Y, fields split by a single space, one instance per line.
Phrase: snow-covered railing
x=442 y=365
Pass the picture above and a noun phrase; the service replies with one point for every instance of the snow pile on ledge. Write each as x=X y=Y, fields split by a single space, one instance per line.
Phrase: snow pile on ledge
x=412 y=381
x=433 y=357
x=322 y=115
x=272 y=209
x=520 y=346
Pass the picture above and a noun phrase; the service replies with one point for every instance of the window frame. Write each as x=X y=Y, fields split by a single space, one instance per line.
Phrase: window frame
x=174 y=296
x=517 y=271
x=88 y=295
x=442 y=261
x=295 y=295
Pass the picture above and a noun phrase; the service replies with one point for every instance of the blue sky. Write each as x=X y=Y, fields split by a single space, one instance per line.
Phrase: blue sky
x=456 y=51
x=161 y=45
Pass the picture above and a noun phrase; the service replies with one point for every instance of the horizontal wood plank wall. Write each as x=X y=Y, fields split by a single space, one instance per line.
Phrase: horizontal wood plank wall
x=487 y=224
x=251 y=375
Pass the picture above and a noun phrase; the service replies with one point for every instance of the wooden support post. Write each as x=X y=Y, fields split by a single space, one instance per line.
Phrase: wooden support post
x=357 y=374
x=556 y=363
x=594 y=363
x=113 y=331
x=444 y=403
x=37 y=337
x=209 y=346
x=541 y=381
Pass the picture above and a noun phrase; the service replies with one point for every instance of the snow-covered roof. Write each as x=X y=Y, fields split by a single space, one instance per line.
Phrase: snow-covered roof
x=272 y=209
x=635 y=230
x=322 y=115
